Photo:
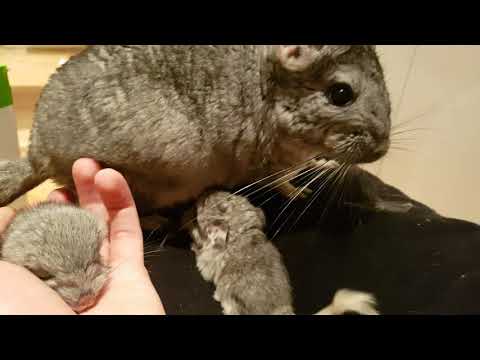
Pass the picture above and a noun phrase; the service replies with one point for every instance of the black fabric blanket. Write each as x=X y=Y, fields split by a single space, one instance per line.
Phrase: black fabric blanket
x=414 y=262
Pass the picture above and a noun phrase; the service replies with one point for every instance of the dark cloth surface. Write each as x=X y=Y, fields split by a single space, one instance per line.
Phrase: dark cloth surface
x=416 y=262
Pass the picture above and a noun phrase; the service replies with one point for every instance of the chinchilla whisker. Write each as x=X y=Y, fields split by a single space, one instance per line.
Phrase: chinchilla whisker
x=395 y=133
x=152 y=233
x=340 y=188
x=401 y=149
x=149 y=247
x=292 y=199
x=275 y=183
x=153 y=251
x=272 y=187
x=301 y=177
x=290 y=170
x=314 y=196
x=267 y=200
x=160 y=247
x=326 y=207
x=318 y=191
x=269 y=186
x=339 y=183
x=401 y=146
x=298 y=192
x=407 y=79
x=293 y=170
x=331 y=174
x=311 y=200
x=343 y=186
x=415 y=117
x=401 y=140
x=155 y=254
x=278 y=181
x=301 y=190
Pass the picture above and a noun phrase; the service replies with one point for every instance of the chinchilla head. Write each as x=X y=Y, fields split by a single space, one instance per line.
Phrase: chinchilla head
x=329 y=101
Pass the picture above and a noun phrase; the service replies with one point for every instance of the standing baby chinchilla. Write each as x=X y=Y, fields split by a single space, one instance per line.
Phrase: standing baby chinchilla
x=247 y=270
x=177 y=120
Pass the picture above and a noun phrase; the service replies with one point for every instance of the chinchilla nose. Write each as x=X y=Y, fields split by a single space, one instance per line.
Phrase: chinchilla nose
x=381 y=135
x=377 y=145
x=369 y=142
x=379 y=124
x=87 y=299
x=341 y=132
x=381 y=148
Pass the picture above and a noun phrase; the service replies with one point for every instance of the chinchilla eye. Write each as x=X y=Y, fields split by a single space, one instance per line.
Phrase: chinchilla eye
x=46 y=277
x=41 y=273
x=340 y=94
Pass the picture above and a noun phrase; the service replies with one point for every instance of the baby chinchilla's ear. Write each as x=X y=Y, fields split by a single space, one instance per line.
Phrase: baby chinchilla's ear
x=299 y=58
x=261 y=217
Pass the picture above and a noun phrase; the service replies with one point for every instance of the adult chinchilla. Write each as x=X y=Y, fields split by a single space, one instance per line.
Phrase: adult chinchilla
x=177 y=120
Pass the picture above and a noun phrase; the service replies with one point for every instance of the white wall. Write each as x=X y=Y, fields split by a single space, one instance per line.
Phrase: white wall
x=9 y=144
x=442 y=96
x=9 y=149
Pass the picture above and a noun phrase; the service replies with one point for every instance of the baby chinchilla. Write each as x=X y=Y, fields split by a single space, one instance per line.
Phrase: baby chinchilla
x=248 y=272
x=177 y=120
x=233 y=253
x=60 y=244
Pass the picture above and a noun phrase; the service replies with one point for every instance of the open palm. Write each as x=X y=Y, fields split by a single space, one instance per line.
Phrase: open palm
x=129 y=291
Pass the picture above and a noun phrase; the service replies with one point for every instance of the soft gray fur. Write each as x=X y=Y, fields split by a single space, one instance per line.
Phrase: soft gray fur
x=233 y=252
x=178 y=120
x=60 y=244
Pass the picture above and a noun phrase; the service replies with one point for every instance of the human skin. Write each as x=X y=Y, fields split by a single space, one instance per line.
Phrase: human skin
x=130 y=291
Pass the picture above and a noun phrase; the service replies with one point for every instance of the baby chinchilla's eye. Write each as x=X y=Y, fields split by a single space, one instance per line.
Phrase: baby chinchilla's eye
x=340 y=94
x=41 y=273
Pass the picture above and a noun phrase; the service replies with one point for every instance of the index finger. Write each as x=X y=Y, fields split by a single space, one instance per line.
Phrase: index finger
x=84 y=171
x=126 y=239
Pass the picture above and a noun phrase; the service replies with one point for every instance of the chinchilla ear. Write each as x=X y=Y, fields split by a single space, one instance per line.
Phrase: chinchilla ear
x=261 y=216
x=333 y=51
x=295 y=58
x=298 y=58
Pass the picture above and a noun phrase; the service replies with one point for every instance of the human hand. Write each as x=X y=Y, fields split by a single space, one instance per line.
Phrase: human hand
x=22 y=292
x=106 y=194
x=129 y=291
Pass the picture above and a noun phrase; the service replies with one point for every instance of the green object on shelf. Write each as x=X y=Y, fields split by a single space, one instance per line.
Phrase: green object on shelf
x=5 y=90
